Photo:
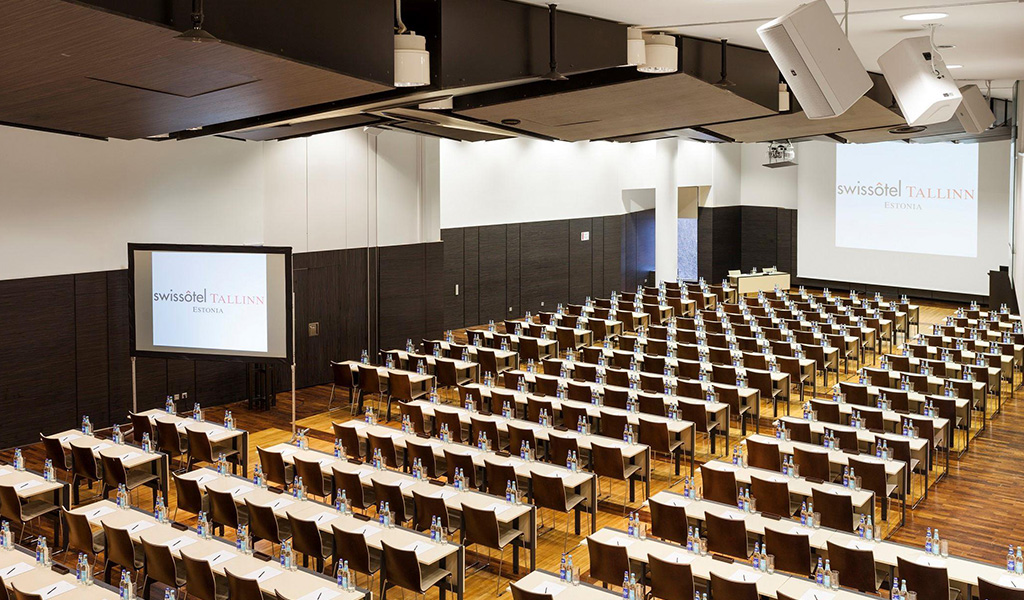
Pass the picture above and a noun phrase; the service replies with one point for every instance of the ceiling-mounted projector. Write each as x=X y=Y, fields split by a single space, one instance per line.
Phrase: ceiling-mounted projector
x=919 y=80
x=816 y=59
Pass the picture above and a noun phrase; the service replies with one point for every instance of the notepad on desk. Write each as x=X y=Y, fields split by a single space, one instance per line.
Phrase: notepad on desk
x=54 y=589
x=219 y=557
x=14 y=570
x=263 y=574
x=548 y=588
x=321 y=594
x=99 y=512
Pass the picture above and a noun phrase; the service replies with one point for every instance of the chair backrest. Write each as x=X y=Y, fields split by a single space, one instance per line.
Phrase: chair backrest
x=928 y=582
x=84 y=461
x=517 y=435
x=402 y=568
x=534 y=407
x=243 y=588
x=670 y=580
x=726 y=536
x=392 y=494
x=369 y=379
x=20 y=594
x=10 y=504
x=386 y=445
x=607 y=461
x=351 y=546
x=607 y=561
x=827 y=411
x=668 y=521
x=79 y=532
x=462 y=461
x=189 y=494
x=498 y=477
x=519 y=593
x=613 y=424
x=199 y=573
x=342 y=375
x=352 y=485
x=546 y=385
x=114 y=472
x=425 y=508
x=690 y=389
x=719 y=486
x=199 y=446
x=655 y=434
x=836 y=509
x=452 y=420
x=559 y=447
x=764 y=455
x=988 y=590
x=856 y=567
x=855 y=393
x=349 y=438
x=552 y=366
x=488 y=361
x=812 y=463
x=273 y=467
x=727 y=589
x=772 y=496
x=580 y=392
x=615 y=397
x=222 y=508
x=312 y=476
x=425 y=454
x=159 y=563
x=120 y=549
x=263 y=523
x=141 y=424
x=306 y=536
x=480 y=526
x=55 y=452
x=529 y=349
x=792 y=550
x=549 y=492
x=400 y=386
x=487 y=427
x=651 y=404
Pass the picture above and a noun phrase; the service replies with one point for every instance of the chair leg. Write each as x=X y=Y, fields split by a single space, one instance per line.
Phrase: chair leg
x=497 y=583
x=331 y=399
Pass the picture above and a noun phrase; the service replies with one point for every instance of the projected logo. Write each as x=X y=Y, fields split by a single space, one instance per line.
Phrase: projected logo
x=907 y=192
x=199 y=300
x=913 y=198
x=210 y=301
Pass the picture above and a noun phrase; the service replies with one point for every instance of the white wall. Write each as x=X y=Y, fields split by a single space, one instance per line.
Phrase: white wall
x=819 y=258
x=1017 y=270
x=761 y=186
x=70 y=205
x=524 y=180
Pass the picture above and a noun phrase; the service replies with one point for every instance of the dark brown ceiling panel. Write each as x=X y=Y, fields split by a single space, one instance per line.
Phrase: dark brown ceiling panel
x=450 y=133
x=486 y=41
x=353 y=37
x=73 y=68
x=864 y=114
x=629 y=107
x=752 y=71
x=283 y=132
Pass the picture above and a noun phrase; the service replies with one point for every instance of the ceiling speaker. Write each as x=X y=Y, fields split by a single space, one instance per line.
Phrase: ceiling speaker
x=919 y=80
x=974 y=114
x=816 y=59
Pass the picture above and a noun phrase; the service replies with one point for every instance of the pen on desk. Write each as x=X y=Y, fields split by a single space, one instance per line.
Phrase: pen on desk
x=50 y=591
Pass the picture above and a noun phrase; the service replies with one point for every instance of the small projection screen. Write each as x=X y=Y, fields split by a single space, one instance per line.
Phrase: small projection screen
x=211 y=302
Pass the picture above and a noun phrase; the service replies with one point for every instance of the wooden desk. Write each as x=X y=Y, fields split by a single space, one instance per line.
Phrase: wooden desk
x=463 y=368
x=220 y=553
x=751 y=283
x=30 y=485
x=34 y=579
x=132 y=457
x=218 y=433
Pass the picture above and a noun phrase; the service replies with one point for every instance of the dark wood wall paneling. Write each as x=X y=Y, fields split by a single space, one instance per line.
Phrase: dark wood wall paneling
x=506 y=270
x=64 y=339
x=744 y=237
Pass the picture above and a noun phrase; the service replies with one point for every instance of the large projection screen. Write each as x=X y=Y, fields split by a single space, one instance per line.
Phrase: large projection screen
x=211 y=302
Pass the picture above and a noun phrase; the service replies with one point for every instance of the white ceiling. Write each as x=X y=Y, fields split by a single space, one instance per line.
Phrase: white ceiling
x=988 y=34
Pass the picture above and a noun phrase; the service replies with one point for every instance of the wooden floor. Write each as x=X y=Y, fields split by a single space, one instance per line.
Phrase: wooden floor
x=977 y=507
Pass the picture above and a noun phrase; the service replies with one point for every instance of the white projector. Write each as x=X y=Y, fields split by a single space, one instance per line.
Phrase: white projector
x=923 y=87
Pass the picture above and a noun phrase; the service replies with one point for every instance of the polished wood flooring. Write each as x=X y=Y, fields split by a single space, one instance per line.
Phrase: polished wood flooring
x=976 y=507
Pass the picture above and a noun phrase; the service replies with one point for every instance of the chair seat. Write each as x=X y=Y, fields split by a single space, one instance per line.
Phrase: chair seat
x=507 y=537
x=224 y=449
x=139 y=478
x=630 y=470
x=572 y=500
x=34 y=509
x=431 y=575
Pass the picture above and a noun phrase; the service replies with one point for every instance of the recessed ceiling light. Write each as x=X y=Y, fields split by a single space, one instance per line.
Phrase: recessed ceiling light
x=946 y=46
x=932 y=16
x=954 y=66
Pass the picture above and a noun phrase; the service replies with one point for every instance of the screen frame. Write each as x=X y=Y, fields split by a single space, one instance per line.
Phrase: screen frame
x=285 y=251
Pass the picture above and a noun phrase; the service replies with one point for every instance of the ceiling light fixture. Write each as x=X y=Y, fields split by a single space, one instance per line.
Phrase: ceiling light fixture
x=412 y=61
x=660 y=54
x=932 y=16
x=954 y=66
x=553 y=73
x=197 y=34
x=635 y=54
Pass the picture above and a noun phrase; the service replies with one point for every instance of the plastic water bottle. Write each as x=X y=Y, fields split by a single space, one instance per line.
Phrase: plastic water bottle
x=147 y=443
x=6 y=542
x=169 y=405
x=19 y=460
x=127 y=589
x=86 y=425
x=229 y=421
x=161 y=508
